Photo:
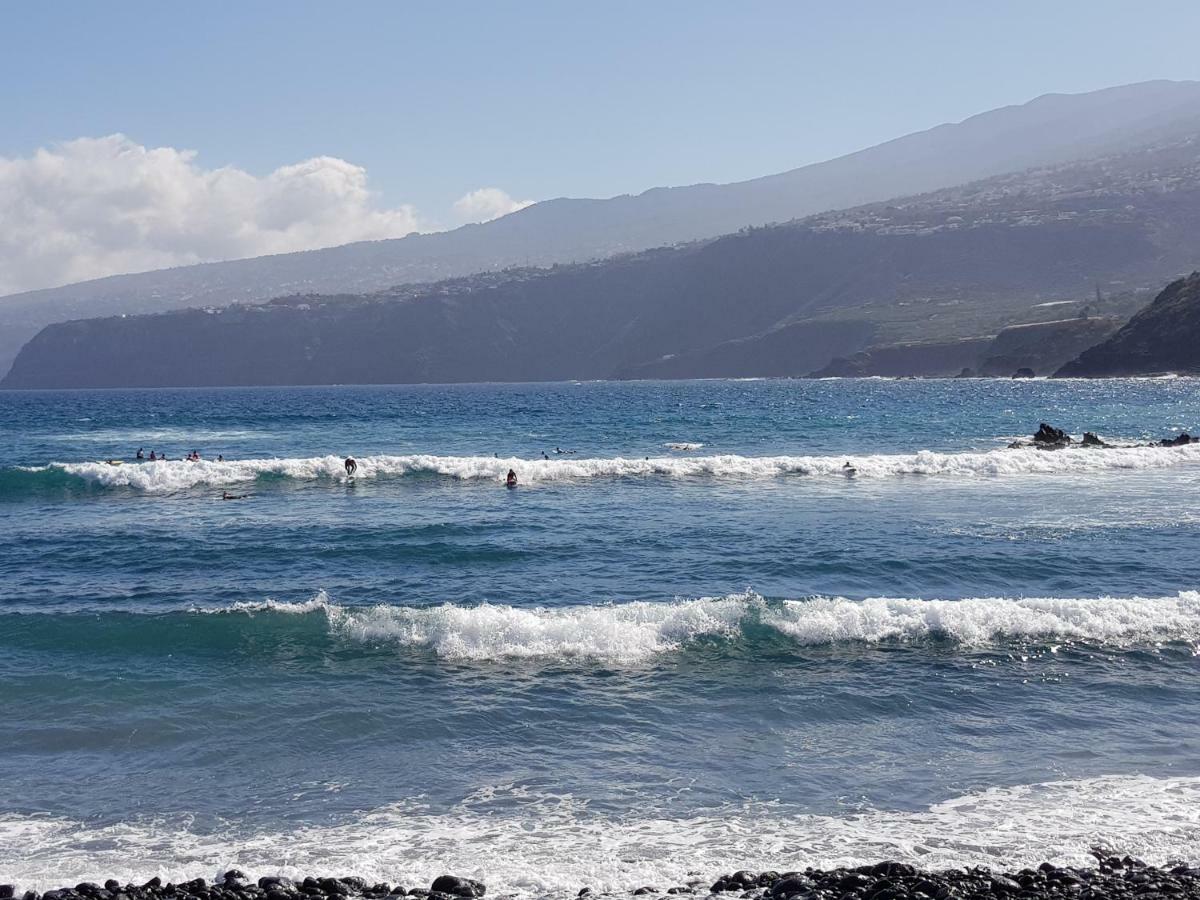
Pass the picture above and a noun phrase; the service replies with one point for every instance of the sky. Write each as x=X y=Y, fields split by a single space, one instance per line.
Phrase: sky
x=135 y=135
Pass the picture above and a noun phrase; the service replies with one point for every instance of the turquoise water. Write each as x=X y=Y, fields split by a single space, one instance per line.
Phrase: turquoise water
x=687 y=642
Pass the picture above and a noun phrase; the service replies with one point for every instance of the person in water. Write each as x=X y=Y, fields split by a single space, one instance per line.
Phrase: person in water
x=511 y=480
x=152 y=456
x=351 y=466
x=220 y=457
x=140 y=454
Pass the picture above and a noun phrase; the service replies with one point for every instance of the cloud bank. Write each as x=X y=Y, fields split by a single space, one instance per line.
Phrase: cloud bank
x=486 y=204
x=103 y=206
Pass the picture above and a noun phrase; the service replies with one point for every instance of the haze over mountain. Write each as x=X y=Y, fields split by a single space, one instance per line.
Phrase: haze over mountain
x=1070 y=248
x=1052 y=129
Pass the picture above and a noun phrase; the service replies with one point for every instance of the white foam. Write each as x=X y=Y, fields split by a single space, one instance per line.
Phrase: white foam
x=165 y=477
x=683 y=446
x=631 y=632
x=554 y=846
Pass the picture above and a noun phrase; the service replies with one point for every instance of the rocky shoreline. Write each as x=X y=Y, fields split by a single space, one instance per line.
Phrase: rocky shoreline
x=1112 y=878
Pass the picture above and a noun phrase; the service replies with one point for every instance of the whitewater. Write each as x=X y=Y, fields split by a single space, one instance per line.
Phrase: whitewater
x=632 y=632
x=175 y=475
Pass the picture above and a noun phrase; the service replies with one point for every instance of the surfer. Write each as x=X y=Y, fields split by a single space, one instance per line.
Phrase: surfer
x=511 y=479
x=351 y=466
x=225 y=495
x=849 y=470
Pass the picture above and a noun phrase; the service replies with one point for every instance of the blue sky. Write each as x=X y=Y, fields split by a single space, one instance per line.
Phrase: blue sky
x=262 y=127
x=547 y=99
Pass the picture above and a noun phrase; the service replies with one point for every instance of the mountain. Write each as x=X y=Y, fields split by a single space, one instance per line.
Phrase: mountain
x=1049 y=130
x=1070 y=241
x=1162 y=338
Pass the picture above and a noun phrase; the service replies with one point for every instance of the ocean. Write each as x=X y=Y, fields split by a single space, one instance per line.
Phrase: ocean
x=690 y=641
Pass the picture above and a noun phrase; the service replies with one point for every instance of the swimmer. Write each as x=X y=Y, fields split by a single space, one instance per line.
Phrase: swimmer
x=153 y=458
x=511 y=479
x=351 y=466
x=140 y=454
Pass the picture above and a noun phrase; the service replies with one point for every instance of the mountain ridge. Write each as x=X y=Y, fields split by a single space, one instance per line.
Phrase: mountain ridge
x=1051 y=128
x=959 y=263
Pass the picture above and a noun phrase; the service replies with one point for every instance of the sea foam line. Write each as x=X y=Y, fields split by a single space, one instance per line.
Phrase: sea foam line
x=632 y=632
x=164 y=477
x=555 y=846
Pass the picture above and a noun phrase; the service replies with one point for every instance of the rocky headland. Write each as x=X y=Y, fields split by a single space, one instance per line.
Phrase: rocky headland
x=1164 y=338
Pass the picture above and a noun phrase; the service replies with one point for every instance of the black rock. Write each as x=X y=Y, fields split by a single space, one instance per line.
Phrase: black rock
x=1179 y=441
x=1024 y=372
x=6 y=891
x=1002 y=884
x=31 y=895
x=457 y=887
x=645 y=890
x=1091 y=440
x=112 y=886
x=788 y=886
x=584 y=892
x=1049 y=436
x=154 y=882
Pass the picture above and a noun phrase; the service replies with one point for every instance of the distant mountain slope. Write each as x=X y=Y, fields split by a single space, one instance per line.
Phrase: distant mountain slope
x=960 y=263
x=1164 y=337
x=1046 y=131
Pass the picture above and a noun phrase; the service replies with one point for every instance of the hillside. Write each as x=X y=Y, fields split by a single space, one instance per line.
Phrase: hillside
x=1047 y=131
x=1162 y=338
x=960 y=263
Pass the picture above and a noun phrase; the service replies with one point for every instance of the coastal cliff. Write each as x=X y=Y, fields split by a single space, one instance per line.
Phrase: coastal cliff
x=1162 y=338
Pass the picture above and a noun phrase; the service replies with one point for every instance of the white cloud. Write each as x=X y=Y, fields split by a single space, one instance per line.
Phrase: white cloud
x=103 y=206
x=486 y=204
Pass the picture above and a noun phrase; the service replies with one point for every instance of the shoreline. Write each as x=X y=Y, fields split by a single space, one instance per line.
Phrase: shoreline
x=1112 y=878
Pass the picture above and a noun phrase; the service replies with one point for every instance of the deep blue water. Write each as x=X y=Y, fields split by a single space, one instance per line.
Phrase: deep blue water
x=694 y=617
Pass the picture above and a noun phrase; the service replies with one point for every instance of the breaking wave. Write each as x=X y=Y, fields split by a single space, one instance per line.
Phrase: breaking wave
x=557 y=846
x=167 y=477
x=630 y=633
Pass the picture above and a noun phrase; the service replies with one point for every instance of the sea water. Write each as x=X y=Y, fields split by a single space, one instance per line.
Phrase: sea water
x=692 y=640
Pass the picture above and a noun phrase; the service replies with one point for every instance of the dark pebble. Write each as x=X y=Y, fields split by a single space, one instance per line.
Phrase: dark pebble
x=457 y=887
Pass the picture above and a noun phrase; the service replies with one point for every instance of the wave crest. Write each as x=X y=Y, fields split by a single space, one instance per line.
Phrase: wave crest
x=632 y=632
x=166 y=477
